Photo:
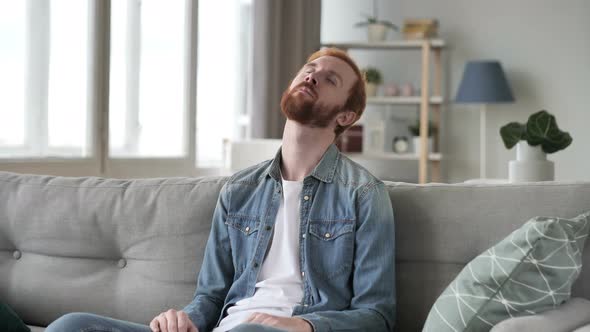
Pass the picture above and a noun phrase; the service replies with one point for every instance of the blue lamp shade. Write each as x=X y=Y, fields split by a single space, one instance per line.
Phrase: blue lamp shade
x=484 y=82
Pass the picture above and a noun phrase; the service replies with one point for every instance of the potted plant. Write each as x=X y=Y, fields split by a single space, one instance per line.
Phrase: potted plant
x=536 y=138
x=372 y=79
x=376 y=28
x=415 y=131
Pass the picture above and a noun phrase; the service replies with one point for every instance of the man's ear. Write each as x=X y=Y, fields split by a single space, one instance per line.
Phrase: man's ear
x=346 y=118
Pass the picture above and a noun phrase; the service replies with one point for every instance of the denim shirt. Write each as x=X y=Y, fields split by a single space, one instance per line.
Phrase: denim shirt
x=346 y=254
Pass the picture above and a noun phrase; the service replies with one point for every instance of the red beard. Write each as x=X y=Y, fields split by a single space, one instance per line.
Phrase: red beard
x=299 y=108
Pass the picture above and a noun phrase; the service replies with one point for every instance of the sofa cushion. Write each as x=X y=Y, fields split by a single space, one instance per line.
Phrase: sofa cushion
x=9 y=320
x=530 y=271
x=565 y=318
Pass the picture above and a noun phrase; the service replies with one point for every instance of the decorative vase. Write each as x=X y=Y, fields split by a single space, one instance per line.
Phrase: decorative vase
x=376 y=32
x=407 y=90
x=416 y=143
x=531 y=165
x=391 y=90
x=371 y=89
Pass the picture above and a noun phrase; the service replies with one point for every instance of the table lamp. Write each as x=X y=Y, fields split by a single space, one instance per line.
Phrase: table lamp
x=483 y=83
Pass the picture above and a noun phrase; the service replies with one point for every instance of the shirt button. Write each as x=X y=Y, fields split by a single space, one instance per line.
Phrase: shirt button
x=306 y=305
x=247 y=229
x=268 y=228
x=328 y=235
x=303 y=273
x=122 y=263
x=303 y=236
x=17 y=254
x=255 y=264
x=306 y=198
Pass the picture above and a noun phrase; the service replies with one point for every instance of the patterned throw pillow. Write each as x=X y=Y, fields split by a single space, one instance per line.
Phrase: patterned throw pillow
x=530 y=271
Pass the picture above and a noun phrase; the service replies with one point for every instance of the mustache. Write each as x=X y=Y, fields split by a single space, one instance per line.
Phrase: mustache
x=307 y=85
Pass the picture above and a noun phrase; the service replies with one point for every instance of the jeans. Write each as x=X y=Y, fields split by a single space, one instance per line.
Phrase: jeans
x=85 y=322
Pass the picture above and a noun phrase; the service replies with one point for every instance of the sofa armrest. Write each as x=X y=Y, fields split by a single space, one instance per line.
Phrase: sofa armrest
x=568 y=317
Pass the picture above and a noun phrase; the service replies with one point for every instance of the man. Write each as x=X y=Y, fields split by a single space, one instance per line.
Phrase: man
x=303 y=242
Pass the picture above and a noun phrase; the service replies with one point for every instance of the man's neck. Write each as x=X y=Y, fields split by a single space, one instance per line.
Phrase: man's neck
x=302 y=150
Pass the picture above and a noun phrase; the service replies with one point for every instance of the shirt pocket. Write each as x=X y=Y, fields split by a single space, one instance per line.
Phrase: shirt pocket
x=331 y=247
x=242 y=231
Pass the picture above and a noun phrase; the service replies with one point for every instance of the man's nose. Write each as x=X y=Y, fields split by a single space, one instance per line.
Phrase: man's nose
x=311 y=79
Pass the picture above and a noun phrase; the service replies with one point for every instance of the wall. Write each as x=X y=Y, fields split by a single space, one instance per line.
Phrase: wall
x=544 y=47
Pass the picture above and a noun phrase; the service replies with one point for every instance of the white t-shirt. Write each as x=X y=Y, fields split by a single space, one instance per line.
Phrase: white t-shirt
x=279 y=286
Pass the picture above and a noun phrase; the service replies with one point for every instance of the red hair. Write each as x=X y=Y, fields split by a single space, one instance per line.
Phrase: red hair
x=357 y=97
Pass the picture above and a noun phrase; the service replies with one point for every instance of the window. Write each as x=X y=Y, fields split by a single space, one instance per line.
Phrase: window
x=223 y=57
x=43 y=85
x=147 y=78
x=112 y=85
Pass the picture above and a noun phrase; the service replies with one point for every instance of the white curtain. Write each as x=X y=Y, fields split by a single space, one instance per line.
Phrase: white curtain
x=285 y=33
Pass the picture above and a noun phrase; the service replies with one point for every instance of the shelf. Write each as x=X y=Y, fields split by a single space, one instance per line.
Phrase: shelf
x=391 y=156
x=414 y=100
x=388 y=45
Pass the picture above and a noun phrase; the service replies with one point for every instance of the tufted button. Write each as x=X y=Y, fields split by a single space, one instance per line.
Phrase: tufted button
x=122 y=263
x=16 y=254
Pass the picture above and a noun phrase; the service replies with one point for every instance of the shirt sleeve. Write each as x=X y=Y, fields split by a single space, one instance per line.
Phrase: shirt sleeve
x=217 y=271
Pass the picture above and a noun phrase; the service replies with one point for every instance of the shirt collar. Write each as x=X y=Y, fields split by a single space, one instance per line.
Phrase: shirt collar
x=324 y=170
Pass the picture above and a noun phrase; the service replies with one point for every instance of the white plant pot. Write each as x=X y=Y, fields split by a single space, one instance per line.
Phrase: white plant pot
x=531 y=165
x=416 y=144
x=371 y=89
x=376 y=32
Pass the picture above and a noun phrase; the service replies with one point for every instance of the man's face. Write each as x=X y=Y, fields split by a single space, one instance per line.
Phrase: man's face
x=318 y=92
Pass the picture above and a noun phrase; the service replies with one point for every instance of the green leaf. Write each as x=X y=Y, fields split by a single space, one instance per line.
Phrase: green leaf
x=512 y=133
x=542 y=129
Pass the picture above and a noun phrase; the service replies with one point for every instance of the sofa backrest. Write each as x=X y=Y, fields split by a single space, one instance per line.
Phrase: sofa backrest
x=441 y=227
x=130 y=249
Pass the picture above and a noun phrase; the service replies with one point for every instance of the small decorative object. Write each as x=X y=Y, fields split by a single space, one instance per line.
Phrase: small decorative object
x=420 y=28
x=415 y=130
x=376 y=29
x=375 y=137
x=373 y=78
x=351 y=140
x=407 y=90
x=400 y=144
x=391 y=90
x=534 y=140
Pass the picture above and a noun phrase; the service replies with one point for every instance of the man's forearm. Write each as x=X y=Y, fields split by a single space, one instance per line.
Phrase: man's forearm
x=348 y=320
x=204 y=311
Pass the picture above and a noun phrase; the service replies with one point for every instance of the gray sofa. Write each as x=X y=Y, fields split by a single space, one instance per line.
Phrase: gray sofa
x=130 y=249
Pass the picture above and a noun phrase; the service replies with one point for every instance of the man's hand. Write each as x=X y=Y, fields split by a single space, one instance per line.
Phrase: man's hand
x=291 y=324
x=173 y=321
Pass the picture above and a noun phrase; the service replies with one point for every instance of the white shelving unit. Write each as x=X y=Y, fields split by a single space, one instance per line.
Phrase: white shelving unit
x=430 y=103
x=414 y=100
x=392 y=156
